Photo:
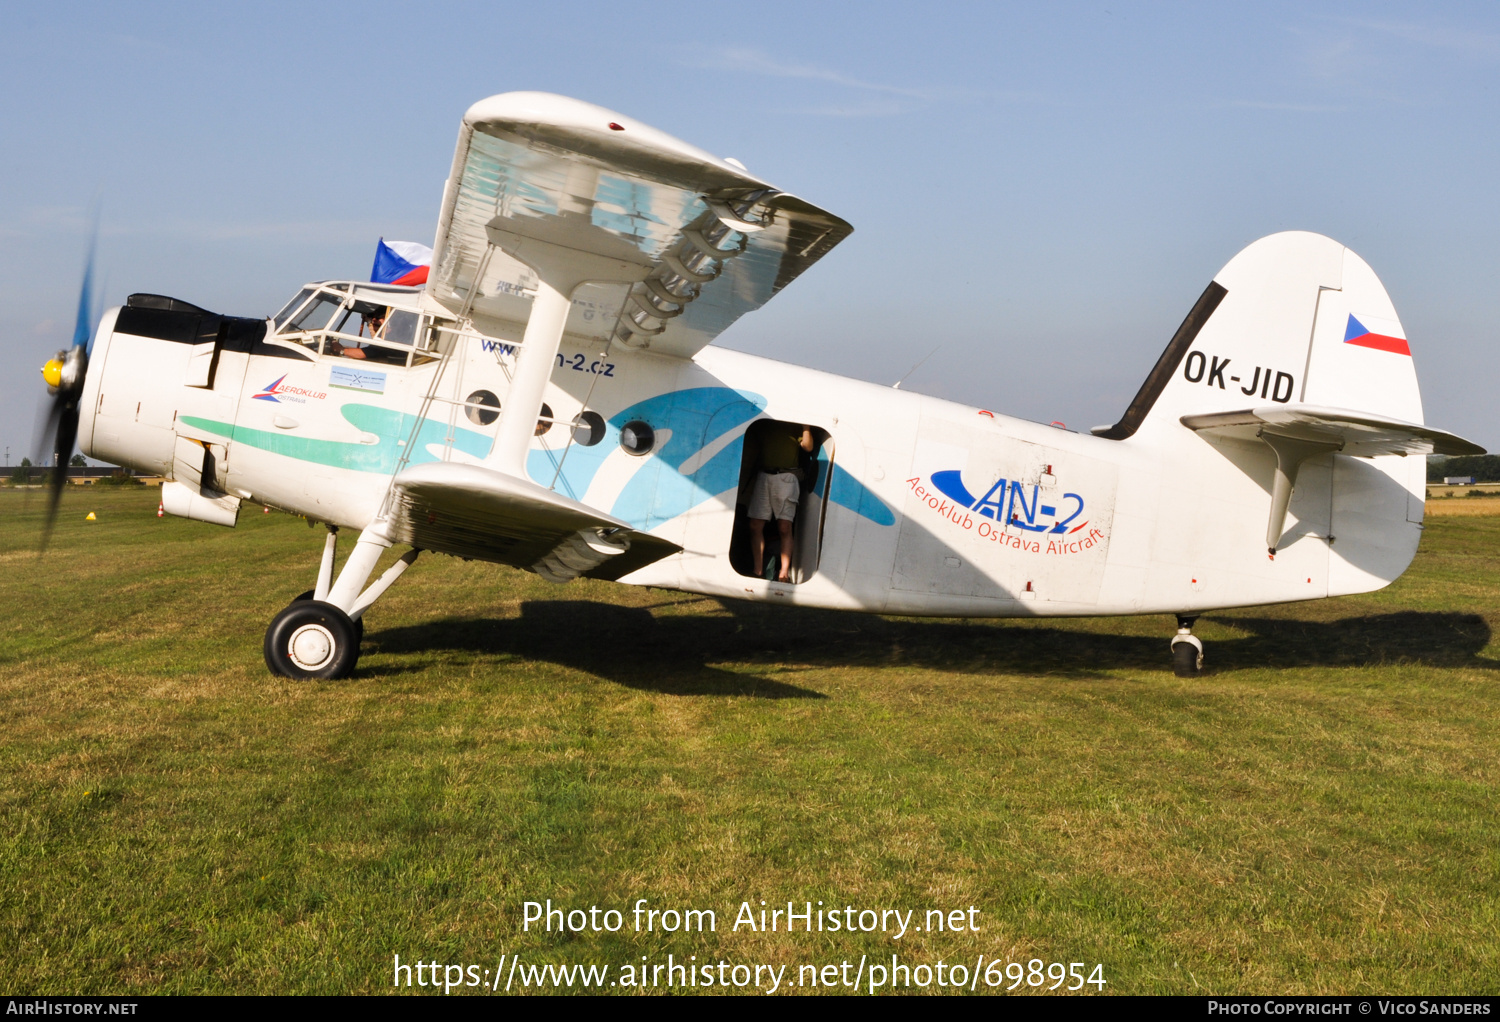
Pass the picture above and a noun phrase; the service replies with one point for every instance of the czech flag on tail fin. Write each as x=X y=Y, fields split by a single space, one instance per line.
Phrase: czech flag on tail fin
x=401 y=262
x=1381 y=334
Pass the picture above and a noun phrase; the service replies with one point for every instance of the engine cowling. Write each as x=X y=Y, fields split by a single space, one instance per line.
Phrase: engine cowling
x=154 y=361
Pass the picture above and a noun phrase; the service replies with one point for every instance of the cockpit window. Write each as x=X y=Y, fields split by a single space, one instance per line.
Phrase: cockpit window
x=359 y=319
x=317 y=313
x=401 y=327
x=351 y=321
x=291 y=307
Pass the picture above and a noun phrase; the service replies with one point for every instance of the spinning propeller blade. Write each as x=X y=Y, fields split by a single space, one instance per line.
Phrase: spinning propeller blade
x=65 y=375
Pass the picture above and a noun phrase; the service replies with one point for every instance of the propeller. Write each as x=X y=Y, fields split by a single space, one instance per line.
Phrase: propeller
x=65 y=375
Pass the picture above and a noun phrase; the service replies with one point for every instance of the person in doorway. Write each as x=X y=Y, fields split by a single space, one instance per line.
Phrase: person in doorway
x=778 y=487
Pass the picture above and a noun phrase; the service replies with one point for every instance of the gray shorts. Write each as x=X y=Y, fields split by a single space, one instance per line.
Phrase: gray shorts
x=774 y=497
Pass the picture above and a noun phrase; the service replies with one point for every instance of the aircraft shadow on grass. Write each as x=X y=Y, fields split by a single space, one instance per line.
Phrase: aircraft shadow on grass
x=675 y=653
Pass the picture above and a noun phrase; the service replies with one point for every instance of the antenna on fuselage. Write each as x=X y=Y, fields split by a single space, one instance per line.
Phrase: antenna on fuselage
x=897 y=384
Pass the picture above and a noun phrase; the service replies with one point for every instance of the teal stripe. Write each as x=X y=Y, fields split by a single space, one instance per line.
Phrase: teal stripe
x=379 y=457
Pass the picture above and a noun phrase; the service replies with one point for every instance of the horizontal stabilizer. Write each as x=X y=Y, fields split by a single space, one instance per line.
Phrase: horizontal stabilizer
x=471 y=511
x=1296 y=433
x=1360 y=434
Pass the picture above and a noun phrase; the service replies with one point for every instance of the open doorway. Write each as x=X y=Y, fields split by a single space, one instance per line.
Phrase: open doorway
x=770 y=445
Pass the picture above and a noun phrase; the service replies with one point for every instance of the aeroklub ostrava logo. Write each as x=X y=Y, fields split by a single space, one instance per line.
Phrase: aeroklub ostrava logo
x=1010 y=516
x=279 y=390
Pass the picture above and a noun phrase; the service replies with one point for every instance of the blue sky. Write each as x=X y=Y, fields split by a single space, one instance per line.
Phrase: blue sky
x=1039 y=191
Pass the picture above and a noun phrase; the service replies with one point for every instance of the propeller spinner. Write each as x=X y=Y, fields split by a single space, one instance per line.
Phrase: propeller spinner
x=65 y=374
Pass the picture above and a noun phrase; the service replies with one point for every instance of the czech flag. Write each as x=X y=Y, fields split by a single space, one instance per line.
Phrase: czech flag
x=1381 y=334
x=401 y=262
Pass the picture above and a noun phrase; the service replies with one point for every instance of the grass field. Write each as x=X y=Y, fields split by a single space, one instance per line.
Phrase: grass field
x=1317 y=814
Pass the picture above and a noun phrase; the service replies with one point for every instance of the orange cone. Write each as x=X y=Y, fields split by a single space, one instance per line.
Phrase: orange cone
x=161 y=509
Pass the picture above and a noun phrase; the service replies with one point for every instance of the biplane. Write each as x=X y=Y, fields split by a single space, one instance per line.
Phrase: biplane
x=550 y=398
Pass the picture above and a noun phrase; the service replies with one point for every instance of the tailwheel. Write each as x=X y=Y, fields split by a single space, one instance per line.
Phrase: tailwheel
x=312 y=639
x=1187 y=649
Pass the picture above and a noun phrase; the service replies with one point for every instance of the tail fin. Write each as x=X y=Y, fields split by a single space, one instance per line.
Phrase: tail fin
x=1294 y=356
x=1295 y=318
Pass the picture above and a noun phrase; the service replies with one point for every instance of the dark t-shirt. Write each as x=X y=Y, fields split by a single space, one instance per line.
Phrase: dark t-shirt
x=780 y=448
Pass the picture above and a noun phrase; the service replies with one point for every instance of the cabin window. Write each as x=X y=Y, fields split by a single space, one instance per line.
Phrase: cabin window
x=772 y=452
x=482 y=407
x=588 y=429
x=637 y=438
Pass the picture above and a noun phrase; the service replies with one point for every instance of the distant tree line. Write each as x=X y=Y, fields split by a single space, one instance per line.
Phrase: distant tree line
x=1485 y=468
x=28 y=474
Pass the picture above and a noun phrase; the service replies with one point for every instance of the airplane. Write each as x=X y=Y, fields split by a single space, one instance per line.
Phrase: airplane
x=550 y=399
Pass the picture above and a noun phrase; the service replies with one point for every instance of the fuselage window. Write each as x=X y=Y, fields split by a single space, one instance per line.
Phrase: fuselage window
x=482 y=407
x=588 y=429
x=545 y=422
x=637 y=438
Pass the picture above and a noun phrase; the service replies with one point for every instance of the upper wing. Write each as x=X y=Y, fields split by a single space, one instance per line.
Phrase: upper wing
x=721 y=241
x=1358 y=433
x=470 y=511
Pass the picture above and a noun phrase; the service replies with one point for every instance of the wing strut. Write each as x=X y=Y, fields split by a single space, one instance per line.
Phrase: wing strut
x=1290 y=454
x=564 y=252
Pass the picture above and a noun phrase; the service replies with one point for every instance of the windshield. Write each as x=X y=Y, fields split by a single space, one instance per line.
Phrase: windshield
x=354 y=322
x=291 y=307
x=317 y=313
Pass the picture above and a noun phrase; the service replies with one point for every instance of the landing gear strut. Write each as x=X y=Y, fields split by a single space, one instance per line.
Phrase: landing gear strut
x=312 y=594
x=318 y=634
x=1187 y=649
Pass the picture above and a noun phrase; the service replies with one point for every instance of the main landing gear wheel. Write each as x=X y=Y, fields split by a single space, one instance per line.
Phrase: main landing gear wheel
x=1187 y=649
x=359 y=622
x=311 y=639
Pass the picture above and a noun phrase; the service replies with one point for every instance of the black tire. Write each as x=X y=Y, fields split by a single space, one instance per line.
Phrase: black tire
x=359 y=625
x=1185 y=660
x=311 y=639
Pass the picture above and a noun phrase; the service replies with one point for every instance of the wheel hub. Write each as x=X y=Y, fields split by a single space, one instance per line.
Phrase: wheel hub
x=311 y=647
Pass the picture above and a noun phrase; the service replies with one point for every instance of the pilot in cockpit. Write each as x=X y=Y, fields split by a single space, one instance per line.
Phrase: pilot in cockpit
x=335 y=347
x=372 y=321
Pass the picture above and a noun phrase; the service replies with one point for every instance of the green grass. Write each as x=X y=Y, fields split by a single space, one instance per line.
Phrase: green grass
x=1318 y=814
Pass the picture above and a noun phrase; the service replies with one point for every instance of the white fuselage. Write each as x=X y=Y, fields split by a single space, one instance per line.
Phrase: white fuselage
x=918 y=506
